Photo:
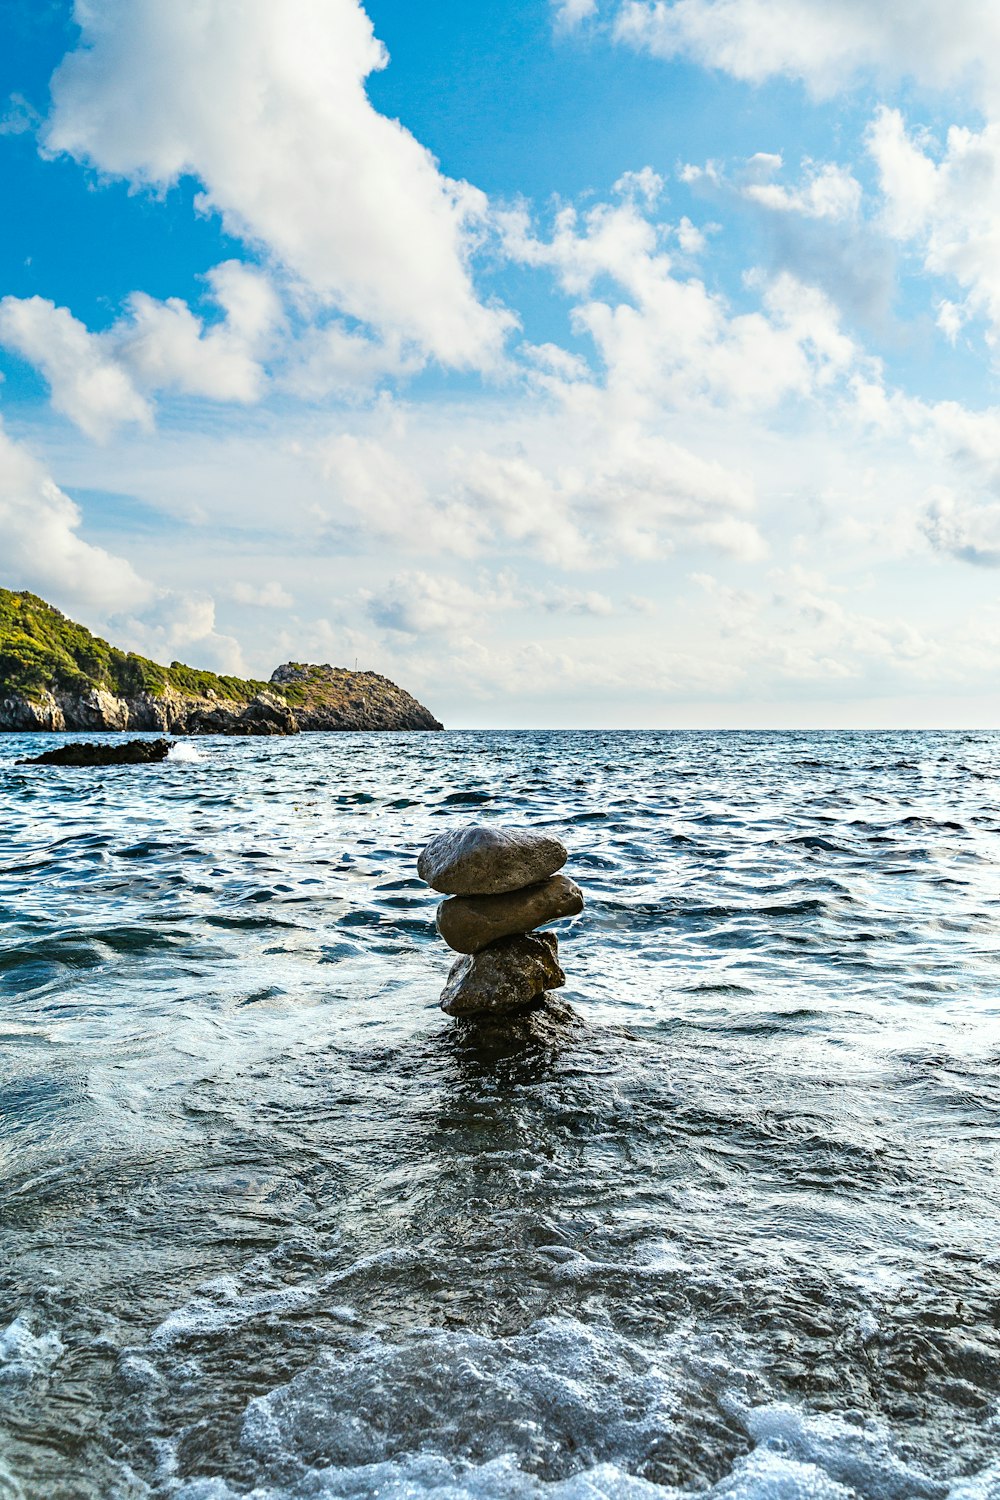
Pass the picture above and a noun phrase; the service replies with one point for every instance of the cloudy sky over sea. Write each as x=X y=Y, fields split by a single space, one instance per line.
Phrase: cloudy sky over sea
x=600 y=362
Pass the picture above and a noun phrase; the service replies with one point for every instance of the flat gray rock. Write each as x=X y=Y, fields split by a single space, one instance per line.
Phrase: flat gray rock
x=504 y=976
x=484 y=860
x=469 y=923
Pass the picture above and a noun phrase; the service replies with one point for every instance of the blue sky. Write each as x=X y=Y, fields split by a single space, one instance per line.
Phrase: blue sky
x=592 y=363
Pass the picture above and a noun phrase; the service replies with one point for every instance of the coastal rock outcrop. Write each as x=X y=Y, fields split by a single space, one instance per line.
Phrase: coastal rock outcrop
x=469 y=923
x=482 y=860
x=21 y=714
x=332 y=698
x=55 y=675
x=508 y=974
x=507 y=968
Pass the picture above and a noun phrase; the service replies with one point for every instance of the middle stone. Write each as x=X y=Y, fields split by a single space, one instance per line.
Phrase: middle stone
x=468 y=923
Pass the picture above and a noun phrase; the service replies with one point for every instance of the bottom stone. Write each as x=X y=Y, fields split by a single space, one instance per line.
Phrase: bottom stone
x=546 y=1022
x=504 y=976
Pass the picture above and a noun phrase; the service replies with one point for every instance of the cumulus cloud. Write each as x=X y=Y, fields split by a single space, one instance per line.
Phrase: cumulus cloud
x=41 y=546
x=87 y=383
x=276 y=124
x=180 y=624
x=102 y=381
x=828 y=191
x=623 y=493
x=568 y=14
x=666 y=337
x=803 y=629
x=418 y=603
x=825 y=191
x=946 y=202
x=164 y=346
x=43 y=551
x=645 y=184
x=262 y=596
x=824 y=43
x=812 y=224
x=575 y=497
x=963 y=529
x=335 y=360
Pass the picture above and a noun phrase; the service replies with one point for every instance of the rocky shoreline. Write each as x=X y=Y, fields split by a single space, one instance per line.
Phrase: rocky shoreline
x=169 y=712
x=328 y=699
x=56 y=675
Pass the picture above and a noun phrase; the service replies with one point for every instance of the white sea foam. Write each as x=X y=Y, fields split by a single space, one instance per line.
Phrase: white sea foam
x=985 y=1486
x=452 y=1416
x=185 y=754
x=24 y=1354
x=762 y=1475
x=203 y=1316
x=859 y=1459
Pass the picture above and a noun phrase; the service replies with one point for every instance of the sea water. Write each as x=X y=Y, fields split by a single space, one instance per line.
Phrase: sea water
x=271 y=1225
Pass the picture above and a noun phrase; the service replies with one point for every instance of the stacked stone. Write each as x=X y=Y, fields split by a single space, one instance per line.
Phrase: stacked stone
x=501 y=885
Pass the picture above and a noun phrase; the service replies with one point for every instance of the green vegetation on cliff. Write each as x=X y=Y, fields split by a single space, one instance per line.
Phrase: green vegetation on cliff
x=41 y=650
x=51 y=668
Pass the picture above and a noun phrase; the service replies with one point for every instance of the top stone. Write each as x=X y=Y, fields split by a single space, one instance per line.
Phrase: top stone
x=483 y=860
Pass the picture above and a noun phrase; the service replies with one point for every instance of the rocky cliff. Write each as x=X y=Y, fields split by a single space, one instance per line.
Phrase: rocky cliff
x=54 y=674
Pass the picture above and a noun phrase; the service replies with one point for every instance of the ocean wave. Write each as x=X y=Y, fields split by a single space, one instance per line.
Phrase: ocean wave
x=724 y=1234
x=25 y=1355
x=560 y=1412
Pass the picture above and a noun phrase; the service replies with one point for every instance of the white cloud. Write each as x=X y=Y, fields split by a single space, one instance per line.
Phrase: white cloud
x=276 y=124
x=43 y=551
x=87 y=383
x=41 y=546
x=690 y=238
x=813 y=225
x=166 y=347
x=946 y=202
x=101 y=381
x=569 y=14
x=418 y=603
x=824 y=42
x=262 y=596
x=576 y=495
x=645 y=184
x=181 y=625
x=19 y=118
x=335 y=360
x=963 y=529
x=828 y=192
x=801 y=629
x=666 y=339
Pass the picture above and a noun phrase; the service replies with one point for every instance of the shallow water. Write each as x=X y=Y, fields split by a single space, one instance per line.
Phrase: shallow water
x=272 y=1226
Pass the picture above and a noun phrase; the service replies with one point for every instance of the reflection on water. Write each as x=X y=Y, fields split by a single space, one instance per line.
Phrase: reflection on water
x=273 y=1226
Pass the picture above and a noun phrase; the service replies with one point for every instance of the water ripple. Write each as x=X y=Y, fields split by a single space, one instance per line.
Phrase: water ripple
x=273 y=1227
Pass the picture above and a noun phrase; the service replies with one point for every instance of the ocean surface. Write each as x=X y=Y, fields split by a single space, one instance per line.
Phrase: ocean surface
x=271 y=1225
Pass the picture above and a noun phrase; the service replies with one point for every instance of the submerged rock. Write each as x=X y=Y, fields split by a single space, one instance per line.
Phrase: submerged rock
x=469 y=923
x=480 y=860
x=545 y=1022
x=504 y=976
x=132 y=753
